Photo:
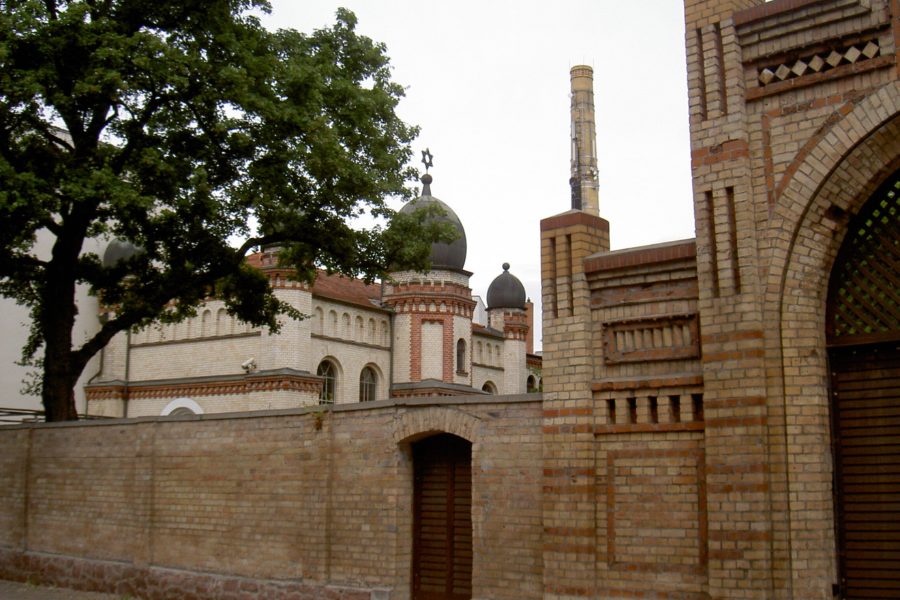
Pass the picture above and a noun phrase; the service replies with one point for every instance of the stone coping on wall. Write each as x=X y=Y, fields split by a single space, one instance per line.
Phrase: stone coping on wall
x=444 y=401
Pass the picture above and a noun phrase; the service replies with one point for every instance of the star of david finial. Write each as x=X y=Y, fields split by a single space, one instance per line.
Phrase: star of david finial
x=427 y=159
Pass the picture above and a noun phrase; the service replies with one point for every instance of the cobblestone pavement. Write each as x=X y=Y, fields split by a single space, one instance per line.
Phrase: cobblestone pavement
x=10 y=590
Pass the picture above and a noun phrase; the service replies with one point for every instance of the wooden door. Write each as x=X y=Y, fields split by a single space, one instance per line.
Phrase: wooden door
x=866 y=391
x=442 y=521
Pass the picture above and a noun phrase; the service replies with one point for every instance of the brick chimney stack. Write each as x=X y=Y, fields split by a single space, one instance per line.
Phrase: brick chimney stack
x=584 y=182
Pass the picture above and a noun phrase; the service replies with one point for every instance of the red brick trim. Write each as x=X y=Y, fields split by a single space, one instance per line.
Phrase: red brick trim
x=552 y=413
x=641 y=256
x=642 y=293
x=734 y=336
x=703 y=558
x=253 y=383
x=769 y=9
x=879 y=62
x=849 y=100
x=449 y=346
x=733 y=355
x=649 y=428
x=720 y=153
x=574 y=218
x=735 y=403
x=683 y=380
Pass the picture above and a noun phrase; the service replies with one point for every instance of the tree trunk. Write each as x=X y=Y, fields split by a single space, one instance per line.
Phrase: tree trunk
x=61 y=367
x=58 y=393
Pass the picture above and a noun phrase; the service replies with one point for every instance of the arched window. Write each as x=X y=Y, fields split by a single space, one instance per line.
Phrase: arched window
x=489 y=388
x=371 y=331
x=367 y=385
x=333 y=324
x=318 y=324
x=461 y=356
x=480 y=353
x=329 y=386
x=205 y=319
x=221 y=322
x=531 y=384
x=360 y=330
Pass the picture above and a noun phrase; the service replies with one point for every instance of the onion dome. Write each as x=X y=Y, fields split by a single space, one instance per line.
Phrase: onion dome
x=506 y=291
x=443 y=256
x=118 y=250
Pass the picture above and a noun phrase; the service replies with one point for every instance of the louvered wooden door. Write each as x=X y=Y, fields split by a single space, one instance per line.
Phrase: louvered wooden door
x=866 y=388
x=442 y=524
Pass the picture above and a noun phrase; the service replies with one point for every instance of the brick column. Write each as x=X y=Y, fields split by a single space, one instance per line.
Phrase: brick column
x=738 y=460
x=570 y=529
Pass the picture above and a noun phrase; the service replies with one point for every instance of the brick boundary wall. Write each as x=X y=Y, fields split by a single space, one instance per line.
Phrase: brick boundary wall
x=286 y=505
x=154 y=583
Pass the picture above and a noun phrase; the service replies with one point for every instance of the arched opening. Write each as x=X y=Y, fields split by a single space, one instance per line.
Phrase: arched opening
x=863 y=333
x=461 y=356
x=367 y=385
x=489 y=388
x=328 y=372
x=181 y=406
x=531 y=384
x=442 y=518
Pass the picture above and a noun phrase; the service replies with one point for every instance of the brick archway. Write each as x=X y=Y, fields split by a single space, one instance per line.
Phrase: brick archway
x=418 y=423
x=833 y=177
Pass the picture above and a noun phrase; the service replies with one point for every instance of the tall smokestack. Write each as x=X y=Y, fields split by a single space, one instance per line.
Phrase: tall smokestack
x=584 y=182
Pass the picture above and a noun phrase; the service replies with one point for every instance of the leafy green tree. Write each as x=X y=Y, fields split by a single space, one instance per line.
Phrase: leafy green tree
x=173 y=126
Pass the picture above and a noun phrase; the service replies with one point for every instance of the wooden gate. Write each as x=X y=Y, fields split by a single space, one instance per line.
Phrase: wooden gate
x=866 y=389
x=442 y=519
x=863 y=328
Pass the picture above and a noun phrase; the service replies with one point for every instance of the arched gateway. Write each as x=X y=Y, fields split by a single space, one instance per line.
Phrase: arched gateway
x=863 y=332
x=442 y=518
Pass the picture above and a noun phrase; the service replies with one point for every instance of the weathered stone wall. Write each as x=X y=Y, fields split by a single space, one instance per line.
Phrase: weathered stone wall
x=264 y=504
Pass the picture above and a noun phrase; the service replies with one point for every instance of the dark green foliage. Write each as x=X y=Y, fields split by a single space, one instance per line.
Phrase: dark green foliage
x=171 y=125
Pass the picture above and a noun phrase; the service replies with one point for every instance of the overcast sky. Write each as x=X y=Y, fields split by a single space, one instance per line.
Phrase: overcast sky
x=488 y=83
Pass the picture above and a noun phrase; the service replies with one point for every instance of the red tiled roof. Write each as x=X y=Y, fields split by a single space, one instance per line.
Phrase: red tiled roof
x=336 y=287
x=255 y=260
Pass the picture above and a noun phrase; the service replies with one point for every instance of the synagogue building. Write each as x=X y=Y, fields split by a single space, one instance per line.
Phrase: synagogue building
x=419 y=334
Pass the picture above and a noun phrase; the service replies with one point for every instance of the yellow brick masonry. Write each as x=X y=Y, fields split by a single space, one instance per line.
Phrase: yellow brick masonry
x=265 y=497
x=569 y=511
x=769 y=169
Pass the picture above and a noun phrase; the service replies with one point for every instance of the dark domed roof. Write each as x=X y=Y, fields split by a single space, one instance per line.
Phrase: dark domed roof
x=506 y=291
x=118 y=250
x=443 y=256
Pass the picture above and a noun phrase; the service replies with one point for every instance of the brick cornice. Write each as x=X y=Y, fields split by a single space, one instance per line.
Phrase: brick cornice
x=641 y=256
x=257 y=382
x=770 y=9
x=650 y=381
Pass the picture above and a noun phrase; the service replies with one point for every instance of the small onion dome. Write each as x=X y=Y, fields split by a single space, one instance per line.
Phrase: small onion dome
x=118 y=250
x=506 y=291
x=443 y=256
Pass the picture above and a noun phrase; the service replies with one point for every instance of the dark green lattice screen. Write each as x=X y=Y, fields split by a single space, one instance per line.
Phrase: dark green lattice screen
x=864 y=293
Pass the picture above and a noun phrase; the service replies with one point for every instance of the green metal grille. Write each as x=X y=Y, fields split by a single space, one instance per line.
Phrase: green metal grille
x=865 y=297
